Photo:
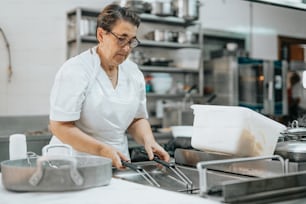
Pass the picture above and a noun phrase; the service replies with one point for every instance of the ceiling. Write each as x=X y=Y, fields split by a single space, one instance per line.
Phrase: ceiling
x=294 y=4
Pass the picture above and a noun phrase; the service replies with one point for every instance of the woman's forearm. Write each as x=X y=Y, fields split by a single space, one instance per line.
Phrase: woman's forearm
x=141 y=131
x=68 y=133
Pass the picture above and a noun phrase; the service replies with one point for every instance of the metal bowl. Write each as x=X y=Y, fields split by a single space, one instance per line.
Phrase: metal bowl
x=50 y=173
x=292 y=150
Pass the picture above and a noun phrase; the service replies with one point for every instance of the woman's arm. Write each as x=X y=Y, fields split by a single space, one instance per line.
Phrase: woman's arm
x=68 y=133
x=140 y=130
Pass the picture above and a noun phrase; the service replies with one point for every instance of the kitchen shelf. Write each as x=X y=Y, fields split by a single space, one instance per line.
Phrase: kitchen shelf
x=151 y=43
x=172 y=96
x=169 y=20
x=85 y=38
x=167 y=69
x=184 y=70
x=84 y=11
x=145 y=17
x=143 y=42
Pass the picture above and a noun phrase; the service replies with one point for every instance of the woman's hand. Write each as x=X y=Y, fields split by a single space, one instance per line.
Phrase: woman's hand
x=141 y=131
x=115 y=155
x=153 y=148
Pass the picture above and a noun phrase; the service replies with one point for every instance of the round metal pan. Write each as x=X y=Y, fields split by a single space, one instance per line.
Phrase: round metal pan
x=292 y=150
x=56 y=173
x=294 y=132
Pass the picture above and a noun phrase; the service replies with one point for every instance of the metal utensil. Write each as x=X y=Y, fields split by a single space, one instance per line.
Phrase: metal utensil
x=142 y=172
x=175 y=170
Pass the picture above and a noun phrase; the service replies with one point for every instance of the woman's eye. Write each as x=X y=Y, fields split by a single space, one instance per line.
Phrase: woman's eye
x=122 y=40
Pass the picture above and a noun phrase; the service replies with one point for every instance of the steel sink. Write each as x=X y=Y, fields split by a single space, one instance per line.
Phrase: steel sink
x=165 y=177
x=170 y=181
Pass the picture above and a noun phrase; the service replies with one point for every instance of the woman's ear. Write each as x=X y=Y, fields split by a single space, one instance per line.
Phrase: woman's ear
x=99 y=34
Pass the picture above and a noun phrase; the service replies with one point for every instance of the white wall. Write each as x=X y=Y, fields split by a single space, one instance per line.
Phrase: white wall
x=36 y=31
x=276 y=21
x=261 y=23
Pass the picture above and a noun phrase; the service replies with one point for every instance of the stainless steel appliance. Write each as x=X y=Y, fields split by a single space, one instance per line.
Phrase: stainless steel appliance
x=255 y=83
x=227 y=179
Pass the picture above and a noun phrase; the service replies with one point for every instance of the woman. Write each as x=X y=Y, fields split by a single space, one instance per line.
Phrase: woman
x=99 y=95
x=293 y=96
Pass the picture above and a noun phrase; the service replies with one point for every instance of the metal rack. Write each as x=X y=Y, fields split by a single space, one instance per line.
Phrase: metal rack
x=81 y=36
x=81 y=28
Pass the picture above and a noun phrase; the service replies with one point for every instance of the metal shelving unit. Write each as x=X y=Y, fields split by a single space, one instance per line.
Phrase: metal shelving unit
x=166 y=69
x=151 y=43
x=81 y=36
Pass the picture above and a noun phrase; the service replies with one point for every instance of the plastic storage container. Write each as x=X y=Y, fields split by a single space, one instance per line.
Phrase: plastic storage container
x=182 y=130
x=234 y=130
x=18 y=146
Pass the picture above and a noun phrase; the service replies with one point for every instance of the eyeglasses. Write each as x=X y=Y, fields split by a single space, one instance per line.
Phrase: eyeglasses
x=123 y=41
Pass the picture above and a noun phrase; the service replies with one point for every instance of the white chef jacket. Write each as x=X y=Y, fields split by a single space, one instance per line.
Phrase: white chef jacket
x=82 y=92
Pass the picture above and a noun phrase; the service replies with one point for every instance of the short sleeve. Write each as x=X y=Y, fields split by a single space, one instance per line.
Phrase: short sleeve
x=68 y=91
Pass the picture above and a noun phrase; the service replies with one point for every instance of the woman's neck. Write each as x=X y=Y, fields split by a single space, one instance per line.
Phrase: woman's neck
x=110 y=70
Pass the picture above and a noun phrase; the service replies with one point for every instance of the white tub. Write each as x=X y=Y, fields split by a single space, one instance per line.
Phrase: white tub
x=234 y=130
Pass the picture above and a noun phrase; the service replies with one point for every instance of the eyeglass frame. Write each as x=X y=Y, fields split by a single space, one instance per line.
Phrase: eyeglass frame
x=122 y=44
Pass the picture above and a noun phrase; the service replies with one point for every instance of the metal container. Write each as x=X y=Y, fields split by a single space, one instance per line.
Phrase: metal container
x=137 y=6
x=56 y=172
x=187 y=37
x=155 y=35
x=292 y=150
x=162 y=8
x=294 y=132
x=187 y=9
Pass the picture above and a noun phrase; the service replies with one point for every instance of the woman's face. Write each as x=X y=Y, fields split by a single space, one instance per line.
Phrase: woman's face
x=115 y=45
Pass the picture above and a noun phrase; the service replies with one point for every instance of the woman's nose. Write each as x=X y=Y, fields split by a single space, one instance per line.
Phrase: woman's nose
x=127 y=47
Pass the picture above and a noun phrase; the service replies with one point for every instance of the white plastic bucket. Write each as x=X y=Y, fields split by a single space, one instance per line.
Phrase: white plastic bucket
x=234 y=130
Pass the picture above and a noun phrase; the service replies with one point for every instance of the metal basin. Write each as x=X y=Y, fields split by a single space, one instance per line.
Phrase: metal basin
x=165 y=177
x=168 y=180
x=56 y=173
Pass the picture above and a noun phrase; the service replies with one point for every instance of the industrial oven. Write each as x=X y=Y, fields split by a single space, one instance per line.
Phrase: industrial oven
x=254 y=83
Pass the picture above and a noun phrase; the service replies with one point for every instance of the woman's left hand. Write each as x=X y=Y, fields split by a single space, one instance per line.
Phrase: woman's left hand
x=153 y=148
x=141 y=131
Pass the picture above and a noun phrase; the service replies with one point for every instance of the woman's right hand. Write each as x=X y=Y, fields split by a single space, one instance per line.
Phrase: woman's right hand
x=115 y=155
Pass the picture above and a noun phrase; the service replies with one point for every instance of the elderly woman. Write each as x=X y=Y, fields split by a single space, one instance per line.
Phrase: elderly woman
x=99 y=95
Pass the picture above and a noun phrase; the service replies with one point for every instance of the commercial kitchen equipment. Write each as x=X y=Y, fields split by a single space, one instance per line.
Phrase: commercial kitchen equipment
x=227 y=179
x=51 y=172
x=254 y=83
x=292 y=144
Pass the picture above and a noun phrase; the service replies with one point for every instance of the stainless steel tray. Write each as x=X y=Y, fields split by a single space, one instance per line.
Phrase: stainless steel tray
x=56 y=172
x=258 y=168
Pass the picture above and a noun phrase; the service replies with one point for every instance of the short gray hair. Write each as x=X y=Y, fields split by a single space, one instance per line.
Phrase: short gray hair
x=113 y=12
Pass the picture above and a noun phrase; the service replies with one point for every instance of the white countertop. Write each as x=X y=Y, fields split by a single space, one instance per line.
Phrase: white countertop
x=118 y=191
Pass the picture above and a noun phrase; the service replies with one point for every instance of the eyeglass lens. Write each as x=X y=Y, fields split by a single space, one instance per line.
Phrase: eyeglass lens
x=122 y=41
